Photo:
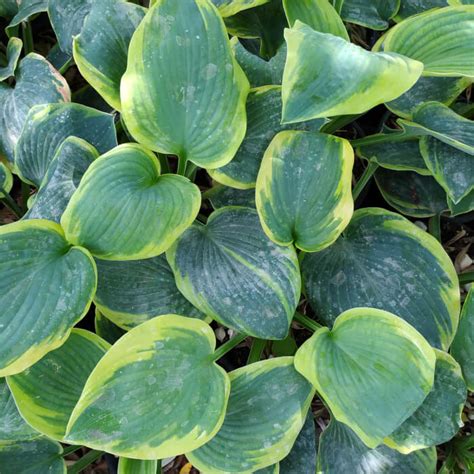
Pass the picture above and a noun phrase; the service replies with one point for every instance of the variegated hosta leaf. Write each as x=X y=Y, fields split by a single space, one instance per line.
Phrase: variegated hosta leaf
x=6 y=180
x=132 y=292
x=303 y=192
x=231 y=7
x=263 y=123
x=412 y=7
x=441 y=89
x=46 y=287
x=448 y=53
x=102 y=59
x=36 y=456
x=303 y=456
x=374 y=14
x=36 y=82
x=439 y=121
x=464 y=206
x=46 y=128
x=452 y=168
x=222 y=196
x=47 y=392
x=155 y=394
x=267 y=408
x=230 y=270
x=136 y=466
x=13 y=427
x=125 y=180
x=463 y=344
x=318 y=14
x=26 y=9
x=106 y=329
x=386 y=262
x=13 y=55
x=438 y=418
x=62 y=178
x=67 y=18
x=397 y=155
x=259 y=71
x=183 y=92
x=326 y=75
x=411 y=194
x=341 y=452
x=372 y=369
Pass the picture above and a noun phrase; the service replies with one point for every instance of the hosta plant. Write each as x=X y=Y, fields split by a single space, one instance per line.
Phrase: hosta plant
x=225 y=220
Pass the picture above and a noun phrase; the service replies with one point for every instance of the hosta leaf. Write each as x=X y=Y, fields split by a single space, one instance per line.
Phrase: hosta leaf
x=26 y=9
x=303 y=456
x=36 y=82
x=155 y=394
x=439 y=121
x=438 y=418
x=374 y=14
x=398 y=155
x=12 y=426
x=6 y=180
x=47 y=392
x=384 y=261
x=13 y=55
x=183 y=92
x=326 y=75
x=373 y=370
x=136 y=466
x=411 y=193
x=441 y=89
x=452 y=168
x=8 y=8
x=37 y=456
x=106 y=329
x=267 y=408
x=463 y=344
x=67 y=18
x=231 y=7
x=464 y=206
x=303 y=192
x=132 y=292
x=46 y=128
x=318 y=14
x=62 y=178
x=231 y=271
x=264 y=122
x=341 y=451
x=221 y=196
x=102 y=60
x=46 y=286
x=412 y=7
x=259 y=71
x=126 y=179
x=448 y=52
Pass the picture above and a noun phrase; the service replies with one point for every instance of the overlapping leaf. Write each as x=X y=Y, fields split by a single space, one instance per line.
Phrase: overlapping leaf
x=374 y=14
x=6 y=180
x=14 y=48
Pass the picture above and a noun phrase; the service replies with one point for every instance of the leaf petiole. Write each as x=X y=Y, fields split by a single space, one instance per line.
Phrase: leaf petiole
x=307 y=322
x=228 y=346
x=364 y=179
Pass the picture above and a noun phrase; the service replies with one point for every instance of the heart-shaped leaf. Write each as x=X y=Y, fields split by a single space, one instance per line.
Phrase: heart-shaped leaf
x=267 y=408
x=230 y=270
x=374 y=14
x=384 y=261
x=46 y=286
x=263 y=123
x=155 y=394
x=373 y=370
x=326 y=75
x=128 y=179
x=47 y=392
x=62 y=178
x=102 y=60
x=303 y=192
x=14 y=48
x=36 y=82
x=46 y=128
x=183 y=92
x=130 y=293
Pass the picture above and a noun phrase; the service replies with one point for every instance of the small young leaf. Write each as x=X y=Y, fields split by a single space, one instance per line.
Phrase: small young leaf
x=6 y=179
x=14 y=48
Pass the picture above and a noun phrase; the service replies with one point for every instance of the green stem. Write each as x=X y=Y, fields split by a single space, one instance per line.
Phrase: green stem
x=465 y=278
x=339 y=122
x=256 y=350
x=228 y=346
x=165 y=166
x=380 y=138
x=202 y=218
x=181 y=165
x=10 y=203
x=70 y=450
x=85 y=461
x=364 y=179
x=27 y=37
x=65 y=66
x=191 y=171
x=307 y=322
x=158 y=466
x=434 y=227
